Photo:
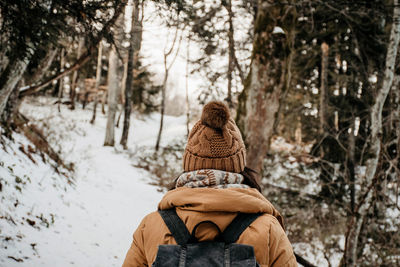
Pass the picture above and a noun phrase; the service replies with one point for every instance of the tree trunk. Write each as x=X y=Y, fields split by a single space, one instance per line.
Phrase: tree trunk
x=103 y=102
x=124 y=77
x=350 y=166
x=112 y=96
x=261 y=95
x=187 y=87
x=374 y=148
x=396 y=125
x=10 y=110
x=75 y=74
x=231 y=45
x=61 y=81
x=4 y=60
x=323 y=91
x=98 y=79
x=133 y=57
x=10 y=77
x=162 y=110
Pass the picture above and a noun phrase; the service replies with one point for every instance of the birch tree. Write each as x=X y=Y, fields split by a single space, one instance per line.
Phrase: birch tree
x=113 y=93
x=133 y=57
x=374 y=146
x=113 y=79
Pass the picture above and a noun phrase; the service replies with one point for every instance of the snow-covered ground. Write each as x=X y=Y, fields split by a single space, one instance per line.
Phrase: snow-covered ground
x=95 y=216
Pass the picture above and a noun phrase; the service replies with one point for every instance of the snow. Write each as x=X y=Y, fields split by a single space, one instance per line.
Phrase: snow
x=278 y=30
x=95 y=216
x=314 y=252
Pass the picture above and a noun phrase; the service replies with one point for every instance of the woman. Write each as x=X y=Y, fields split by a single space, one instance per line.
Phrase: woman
x=215 y=186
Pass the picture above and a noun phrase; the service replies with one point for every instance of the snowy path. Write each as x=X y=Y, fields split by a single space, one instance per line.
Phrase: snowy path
x=94 y=226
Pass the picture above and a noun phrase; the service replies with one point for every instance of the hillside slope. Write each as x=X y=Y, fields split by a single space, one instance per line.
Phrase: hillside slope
x=90 y=220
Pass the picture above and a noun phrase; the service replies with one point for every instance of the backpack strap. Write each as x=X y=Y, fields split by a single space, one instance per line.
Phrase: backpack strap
x=193 y=238
x=238 y=225
x=176 y=226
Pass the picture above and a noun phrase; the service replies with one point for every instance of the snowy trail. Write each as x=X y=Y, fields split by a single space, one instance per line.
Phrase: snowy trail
x=95 y=223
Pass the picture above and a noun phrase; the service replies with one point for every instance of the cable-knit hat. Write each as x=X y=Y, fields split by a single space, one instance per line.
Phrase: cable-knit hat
x=215 y=142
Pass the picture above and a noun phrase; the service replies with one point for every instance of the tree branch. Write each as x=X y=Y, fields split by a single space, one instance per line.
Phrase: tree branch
x=303 y=261
x=80 y=61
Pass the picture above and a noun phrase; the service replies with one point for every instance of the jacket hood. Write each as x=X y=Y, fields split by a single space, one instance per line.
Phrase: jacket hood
x=245 y=200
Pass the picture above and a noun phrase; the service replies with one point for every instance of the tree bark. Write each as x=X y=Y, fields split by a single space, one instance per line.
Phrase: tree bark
x=98 y=79
x=374 y=148
x=112 y=96
x=231 y=45
x=323 y=91
x=396 y=125
x=61 y=80
x=187 y=86
x=10 y=111
x=261 y=95
x=10 y=78
x=133 y=57
x=350 y=166
x=75 y=74
x=323 y=87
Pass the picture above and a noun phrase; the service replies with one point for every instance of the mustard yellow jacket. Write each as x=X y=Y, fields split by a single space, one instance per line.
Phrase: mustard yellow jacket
x=193 y=205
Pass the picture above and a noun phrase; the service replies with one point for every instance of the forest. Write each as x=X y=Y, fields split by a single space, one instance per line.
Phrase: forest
x=314 y=86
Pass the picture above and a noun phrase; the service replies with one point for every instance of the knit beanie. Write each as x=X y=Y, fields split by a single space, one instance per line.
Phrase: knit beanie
x=215 y=142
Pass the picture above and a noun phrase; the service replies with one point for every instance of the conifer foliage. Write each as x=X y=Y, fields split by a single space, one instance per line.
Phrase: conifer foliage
x=30 y=26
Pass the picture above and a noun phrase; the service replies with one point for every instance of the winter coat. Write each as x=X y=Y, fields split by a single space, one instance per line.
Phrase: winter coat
x=193 y=205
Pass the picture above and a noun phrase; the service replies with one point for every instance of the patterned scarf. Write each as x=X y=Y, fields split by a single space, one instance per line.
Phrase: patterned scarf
x=211 y=178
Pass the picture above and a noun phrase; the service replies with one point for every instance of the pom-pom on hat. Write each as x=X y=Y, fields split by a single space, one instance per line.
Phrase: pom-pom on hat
x=215 y=142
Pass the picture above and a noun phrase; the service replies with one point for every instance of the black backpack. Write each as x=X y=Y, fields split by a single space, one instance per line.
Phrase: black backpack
x=221 y=252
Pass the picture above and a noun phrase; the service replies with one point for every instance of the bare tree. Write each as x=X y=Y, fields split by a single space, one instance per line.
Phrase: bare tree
x=167 y=67
x=374 y=148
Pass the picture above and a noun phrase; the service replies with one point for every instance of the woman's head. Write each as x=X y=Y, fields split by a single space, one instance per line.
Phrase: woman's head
x=215 y=142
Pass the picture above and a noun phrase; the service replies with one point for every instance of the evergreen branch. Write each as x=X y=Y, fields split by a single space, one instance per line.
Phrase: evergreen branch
x=81 y=60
